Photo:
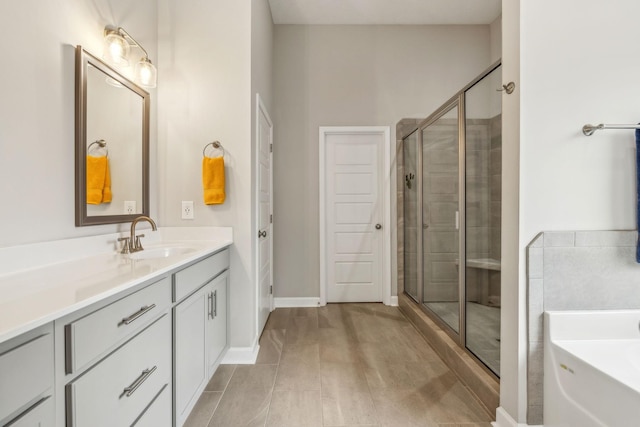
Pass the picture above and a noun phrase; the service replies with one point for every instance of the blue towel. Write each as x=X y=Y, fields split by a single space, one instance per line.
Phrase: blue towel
x=638 y=192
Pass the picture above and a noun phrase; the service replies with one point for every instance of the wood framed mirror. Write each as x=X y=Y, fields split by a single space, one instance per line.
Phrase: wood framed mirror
x=112 y=144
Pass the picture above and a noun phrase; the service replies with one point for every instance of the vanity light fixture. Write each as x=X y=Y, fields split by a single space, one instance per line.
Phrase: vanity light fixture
x=117 y=44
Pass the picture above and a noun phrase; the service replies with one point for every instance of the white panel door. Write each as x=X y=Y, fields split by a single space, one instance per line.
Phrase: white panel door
x=353 y=216
x=264 y=141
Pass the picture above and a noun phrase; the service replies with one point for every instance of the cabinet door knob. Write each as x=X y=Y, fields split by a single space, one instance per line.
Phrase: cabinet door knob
x=378 y=226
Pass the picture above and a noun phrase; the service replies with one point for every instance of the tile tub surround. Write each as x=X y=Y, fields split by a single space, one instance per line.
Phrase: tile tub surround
x=574 y=270
x=41 y=282
x=339 y=365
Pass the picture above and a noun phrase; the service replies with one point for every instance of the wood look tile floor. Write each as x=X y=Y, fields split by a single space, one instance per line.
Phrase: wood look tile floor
x=339 y=365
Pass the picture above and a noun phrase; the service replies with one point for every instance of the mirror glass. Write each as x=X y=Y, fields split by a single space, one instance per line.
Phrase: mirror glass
x=112 y=144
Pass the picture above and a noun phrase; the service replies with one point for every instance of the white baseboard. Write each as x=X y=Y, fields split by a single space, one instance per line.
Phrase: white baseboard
x=503 y=419
x=312 y=302
x=241 y=355
x=296 y=302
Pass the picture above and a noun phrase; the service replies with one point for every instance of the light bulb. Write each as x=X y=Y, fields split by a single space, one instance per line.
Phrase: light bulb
x=146 y=74
x=116 y=49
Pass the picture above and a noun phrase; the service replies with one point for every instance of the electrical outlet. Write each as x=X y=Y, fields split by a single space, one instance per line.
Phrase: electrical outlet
x=187 y=210
x=129 y=207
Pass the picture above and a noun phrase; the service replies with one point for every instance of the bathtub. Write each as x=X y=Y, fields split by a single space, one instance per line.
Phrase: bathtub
x=592 y=368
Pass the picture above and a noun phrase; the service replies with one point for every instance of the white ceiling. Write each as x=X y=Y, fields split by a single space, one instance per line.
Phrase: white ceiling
x=381 y=12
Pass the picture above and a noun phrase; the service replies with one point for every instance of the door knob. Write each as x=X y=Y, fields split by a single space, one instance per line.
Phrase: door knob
x=378 y=226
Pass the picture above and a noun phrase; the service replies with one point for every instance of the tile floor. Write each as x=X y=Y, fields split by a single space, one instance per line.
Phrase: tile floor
x=339 y=365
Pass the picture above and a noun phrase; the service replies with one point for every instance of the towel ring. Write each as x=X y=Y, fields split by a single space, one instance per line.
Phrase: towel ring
x=101 y=144
x=216 y=145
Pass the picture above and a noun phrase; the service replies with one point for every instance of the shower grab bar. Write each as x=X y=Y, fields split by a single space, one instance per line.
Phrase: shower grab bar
x=588 y=130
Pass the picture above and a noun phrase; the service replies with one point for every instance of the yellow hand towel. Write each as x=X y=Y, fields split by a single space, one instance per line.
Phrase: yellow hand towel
x=106 y=193
x=96 y=174
x=213 y=180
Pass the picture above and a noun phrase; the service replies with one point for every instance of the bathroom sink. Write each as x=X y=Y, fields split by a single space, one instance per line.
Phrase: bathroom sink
x=161 y=252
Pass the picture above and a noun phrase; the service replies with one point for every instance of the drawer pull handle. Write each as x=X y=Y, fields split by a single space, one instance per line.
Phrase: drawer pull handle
x=136 y=315
x=210 y=305
x=138 y=382
x=215 y=307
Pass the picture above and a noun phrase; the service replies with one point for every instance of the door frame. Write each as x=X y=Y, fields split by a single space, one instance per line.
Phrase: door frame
x=261 y=109
x=324 y=131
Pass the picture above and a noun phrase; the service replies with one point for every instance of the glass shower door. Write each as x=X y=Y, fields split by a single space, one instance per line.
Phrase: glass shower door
x=440 y=217
x=483 y=157
x=410 y=206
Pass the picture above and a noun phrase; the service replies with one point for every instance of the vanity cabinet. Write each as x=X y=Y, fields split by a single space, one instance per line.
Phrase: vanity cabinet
x=115 y=360
x=26 y=379
x=132 y=347
x=200 y=328
x=117 y=391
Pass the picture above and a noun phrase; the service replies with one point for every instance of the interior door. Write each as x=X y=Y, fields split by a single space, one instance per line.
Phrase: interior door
x=264 y=141
x=353 y=218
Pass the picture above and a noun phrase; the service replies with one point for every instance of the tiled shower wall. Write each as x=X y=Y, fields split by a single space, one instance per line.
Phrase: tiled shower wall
x=440 y=203
x=574 y=270
x=484 y=194
x=495 y=169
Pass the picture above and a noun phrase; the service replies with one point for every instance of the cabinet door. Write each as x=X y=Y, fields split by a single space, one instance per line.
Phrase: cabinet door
x=217 y=320
x=26 y=372
x=190 y=353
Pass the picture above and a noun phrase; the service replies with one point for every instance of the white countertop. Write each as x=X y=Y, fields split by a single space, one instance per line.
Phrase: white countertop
x=68 y=275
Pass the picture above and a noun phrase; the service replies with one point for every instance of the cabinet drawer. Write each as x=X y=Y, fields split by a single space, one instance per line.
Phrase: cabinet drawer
x=191 y=278
x=41 y=415
x=26 y=372
x=117 y=390
x=158 y=414
x=92 y=335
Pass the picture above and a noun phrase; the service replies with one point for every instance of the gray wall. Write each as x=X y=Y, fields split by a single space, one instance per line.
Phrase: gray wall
x=37 y=108
x=350 y=76
x=205 y=94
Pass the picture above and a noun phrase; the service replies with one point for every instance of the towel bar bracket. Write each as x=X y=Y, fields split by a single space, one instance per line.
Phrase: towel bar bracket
x=216 y=145
x=589 y=129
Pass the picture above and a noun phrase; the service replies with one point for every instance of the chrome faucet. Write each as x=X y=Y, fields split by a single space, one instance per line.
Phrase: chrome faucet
x=132 y=243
